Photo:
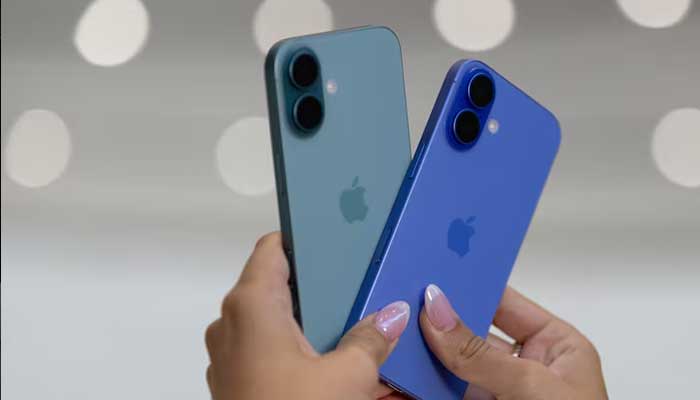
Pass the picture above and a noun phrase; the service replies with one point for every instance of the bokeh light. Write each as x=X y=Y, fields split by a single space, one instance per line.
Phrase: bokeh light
x=112 y=32
x=474 y=25
x=655 y=13
x=676 y=146
x=280 y=19
x=244 y=158
x=38 y=148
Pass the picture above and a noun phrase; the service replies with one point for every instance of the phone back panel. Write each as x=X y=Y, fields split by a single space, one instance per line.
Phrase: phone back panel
x=458 y=222
x=359 y=153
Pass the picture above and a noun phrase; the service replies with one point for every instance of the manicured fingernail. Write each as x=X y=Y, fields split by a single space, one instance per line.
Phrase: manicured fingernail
x=392 y=320
x=440 y=312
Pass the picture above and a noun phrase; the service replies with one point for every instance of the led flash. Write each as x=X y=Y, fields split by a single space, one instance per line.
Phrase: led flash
x=492 y=125
x=331 y=86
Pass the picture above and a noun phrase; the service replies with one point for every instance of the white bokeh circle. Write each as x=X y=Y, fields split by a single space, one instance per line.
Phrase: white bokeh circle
x=112 y=32
x=38 y=148
x=244 y=157
x=676 y=146
x=474 y=25
x=655 y=13
x=279 y=19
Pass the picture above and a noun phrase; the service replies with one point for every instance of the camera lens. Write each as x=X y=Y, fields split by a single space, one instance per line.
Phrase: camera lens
x=467 y=127
x=303 y=70
x=481 y=90
x=308 y=113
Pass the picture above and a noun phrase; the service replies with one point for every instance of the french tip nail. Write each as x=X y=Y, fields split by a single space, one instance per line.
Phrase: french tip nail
x=432 y=292
x=439 y=309
x=391 y=320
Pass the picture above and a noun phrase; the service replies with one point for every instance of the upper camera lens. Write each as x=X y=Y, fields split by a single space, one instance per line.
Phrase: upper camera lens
x=481 y=90
x=467 y=127
x=308 y=113
x=303 y=70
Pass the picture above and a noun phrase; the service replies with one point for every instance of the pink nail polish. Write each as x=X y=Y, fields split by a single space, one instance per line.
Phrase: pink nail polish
x=440 y=312
x=392 y=319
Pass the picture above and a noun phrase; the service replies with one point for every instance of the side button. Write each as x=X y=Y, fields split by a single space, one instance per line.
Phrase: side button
x=391 y=385
x=294 y=289
x=417 y=159
x=281 y=185
x=381 y=245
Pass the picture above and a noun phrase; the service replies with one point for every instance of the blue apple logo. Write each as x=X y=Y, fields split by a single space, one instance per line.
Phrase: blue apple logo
x=459 y=234
x=352 y=202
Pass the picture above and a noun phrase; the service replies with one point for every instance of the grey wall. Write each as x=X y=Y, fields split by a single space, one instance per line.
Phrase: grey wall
x=111 y=271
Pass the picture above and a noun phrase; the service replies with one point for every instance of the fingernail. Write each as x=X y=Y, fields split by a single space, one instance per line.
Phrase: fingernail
x=392 y=320
x=440 y=312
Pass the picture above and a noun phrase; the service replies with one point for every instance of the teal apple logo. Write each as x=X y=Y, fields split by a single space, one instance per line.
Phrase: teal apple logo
x=460 y=234
x=352 y=202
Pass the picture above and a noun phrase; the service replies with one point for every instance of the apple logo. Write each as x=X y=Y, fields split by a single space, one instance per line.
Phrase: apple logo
x=352 y=202
x=459 y=234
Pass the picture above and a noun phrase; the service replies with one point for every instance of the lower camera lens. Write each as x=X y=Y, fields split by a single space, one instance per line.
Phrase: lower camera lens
x=308 y=113
x=481 y=90
x=467 y=127
x=303 y=70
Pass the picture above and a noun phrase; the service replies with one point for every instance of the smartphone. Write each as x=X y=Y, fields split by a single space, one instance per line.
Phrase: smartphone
x=460 y=216
x=340 y=141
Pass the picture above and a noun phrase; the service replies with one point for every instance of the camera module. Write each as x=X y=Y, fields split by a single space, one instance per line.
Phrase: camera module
x=481 y=90
x=466 y=127
x=303 y=70
x=308 y=113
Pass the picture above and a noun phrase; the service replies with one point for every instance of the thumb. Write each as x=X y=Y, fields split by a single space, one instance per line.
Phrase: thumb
x=368 y=344
x=469 y=356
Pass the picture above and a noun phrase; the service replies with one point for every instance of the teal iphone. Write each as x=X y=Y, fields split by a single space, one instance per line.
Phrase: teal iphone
x=340 y=141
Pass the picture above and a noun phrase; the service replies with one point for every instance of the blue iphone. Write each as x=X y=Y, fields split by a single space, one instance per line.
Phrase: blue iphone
x=461 y=215
x=340 y=141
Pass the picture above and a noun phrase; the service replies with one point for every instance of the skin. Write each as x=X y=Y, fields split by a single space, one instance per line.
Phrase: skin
x=257 y=350
x=556 y=360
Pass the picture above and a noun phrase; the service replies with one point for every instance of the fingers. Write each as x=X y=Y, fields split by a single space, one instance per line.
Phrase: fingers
x=210 y=379
x=468 y=356
x=475 y=392
x=367 y=345
x=382 y=391
x=213 y=339
x=499 y=343
x=268 y=264
x=262 y=286
x=258 y=310
x=520 y=317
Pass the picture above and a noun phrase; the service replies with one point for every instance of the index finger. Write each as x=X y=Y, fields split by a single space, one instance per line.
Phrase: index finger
x=260 y=304
x=268 y=265
x=520 y=317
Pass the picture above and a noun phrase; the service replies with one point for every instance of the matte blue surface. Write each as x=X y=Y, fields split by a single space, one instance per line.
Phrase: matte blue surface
x=362 y=143
x=493 y=187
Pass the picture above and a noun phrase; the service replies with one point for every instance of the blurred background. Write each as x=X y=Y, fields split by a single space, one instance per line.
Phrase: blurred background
x=136 y=175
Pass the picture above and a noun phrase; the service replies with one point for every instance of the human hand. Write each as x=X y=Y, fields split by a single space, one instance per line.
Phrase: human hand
x=555 y=362
x=257 y=350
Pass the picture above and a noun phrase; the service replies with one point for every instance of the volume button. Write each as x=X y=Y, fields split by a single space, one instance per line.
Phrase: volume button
x=391 y=385
x=293 y=286
x=417 y=159
x=381 y=246
x=281 y=184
